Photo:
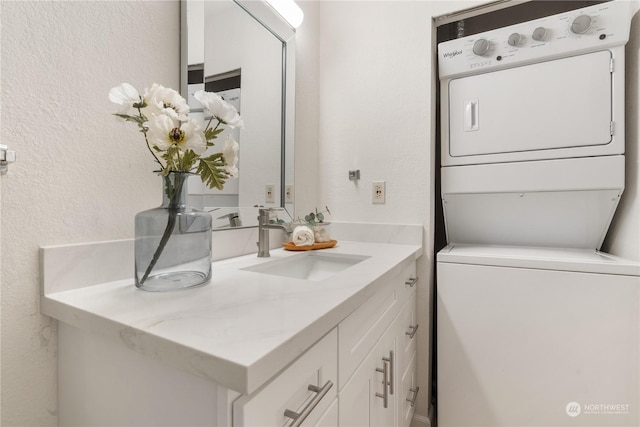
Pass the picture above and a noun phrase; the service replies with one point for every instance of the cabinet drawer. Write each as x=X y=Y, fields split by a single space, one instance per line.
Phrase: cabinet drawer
x=408 y=393
x=407 y=332
x=359 y=332
x=410 y=280
x=290 y=390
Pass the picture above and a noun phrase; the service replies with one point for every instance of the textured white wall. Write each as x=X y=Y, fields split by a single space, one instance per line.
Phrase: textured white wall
x=81 y=174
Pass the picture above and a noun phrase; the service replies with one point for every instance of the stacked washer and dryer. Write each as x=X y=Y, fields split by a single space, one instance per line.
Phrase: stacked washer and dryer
x=536 y=326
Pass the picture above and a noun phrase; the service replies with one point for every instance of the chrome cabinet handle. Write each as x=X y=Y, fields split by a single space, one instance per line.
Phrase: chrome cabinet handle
x=390 y=360
x=412 y=331
x=384 y=396
x=299 y=417
x=411 y=282
x=415 y=395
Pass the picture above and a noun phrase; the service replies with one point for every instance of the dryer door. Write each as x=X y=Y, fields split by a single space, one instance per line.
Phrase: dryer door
x=533 y=111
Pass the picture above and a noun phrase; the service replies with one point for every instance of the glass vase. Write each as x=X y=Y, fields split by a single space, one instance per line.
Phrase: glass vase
x=173 y=241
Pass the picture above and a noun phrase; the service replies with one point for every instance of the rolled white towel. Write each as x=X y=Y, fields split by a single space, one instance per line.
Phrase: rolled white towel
x=302 y=236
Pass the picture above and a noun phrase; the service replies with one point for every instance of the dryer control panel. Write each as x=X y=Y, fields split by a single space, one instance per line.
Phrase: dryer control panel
x=583 y=30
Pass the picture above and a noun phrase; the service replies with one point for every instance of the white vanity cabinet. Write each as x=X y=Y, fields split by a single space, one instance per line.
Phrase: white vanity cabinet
x=241 y=352
x=381 y=390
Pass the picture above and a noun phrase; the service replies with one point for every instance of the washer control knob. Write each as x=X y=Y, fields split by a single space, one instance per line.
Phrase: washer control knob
x=581 y=24
x=539 y=34
x=481 y=46
x=514 y=39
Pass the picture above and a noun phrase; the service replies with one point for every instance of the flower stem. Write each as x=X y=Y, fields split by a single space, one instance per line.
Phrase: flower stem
x=144 y=132
x=173 y=195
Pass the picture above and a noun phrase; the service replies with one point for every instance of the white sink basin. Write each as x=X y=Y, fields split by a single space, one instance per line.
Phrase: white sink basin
x=314 y=266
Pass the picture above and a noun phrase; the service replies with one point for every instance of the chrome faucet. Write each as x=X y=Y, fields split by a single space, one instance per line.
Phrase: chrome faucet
x=263 y=230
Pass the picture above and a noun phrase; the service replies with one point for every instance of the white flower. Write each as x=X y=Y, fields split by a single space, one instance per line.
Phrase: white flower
x=162 y=100
x=177 y=142
x=164 y=132
x=219 y=108
x=124 y=95
x=230 y=153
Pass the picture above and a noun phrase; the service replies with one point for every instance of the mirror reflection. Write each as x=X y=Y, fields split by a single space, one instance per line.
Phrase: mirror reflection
x=232 y=53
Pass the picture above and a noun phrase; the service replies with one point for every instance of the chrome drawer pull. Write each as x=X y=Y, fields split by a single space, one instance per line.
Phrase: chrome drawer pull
x=384 y=396
x=390 y=360
x=415 y=395
x=298 y=418
x=411 y=282
x=412 y=330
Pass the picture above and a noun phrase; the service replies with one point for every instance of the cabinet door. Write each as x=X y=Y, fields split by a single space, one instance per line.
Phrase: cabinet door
x=330 y=417
x=362 y=400
x=385 y=357
x=362 y=329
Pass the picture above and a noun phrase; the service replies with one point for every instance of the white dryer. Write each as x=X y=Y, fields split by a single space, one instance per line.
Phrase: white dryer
x=533 y=129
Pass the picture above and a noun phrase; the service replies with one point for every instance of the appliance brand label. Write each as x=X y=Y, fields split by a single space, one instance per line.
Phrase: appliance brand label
x=479 y=64
x=452 y=54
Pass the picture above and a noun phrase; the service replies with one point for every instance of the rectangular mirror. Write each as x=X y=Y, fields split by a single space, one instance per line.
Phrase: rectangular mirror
x=244 y=51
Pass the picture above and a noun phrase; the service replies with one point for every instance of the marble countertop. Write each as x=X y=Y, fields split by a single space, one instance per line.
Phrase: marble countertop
x=240 y=329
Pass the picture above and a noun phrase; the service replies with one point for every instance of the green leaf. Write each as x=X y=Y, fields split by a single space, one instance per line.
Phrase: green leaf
x=171 y=158
x=320 y=217
x=211 y=171
x=136 y=119
x=188 y=160
x=210 y=134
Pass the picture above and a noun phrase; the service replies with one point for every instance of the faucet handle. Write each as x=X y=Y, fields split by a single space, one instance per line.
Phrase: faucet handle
x=265 y=213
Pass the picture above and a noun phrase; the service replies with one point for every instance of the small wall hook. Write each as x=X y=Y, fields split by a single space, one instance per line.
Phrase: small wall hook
x=354 y=175
x=6 y=157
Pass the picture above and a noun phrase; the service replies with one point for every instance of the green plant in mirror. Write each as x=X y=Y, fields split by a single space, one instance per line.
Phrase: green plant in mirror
x=313 y=218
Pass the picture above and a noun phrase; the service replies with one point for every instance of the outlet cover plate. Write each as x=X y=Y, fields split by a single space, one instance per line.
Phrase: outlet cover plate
x=269 y=196
x=378 y=192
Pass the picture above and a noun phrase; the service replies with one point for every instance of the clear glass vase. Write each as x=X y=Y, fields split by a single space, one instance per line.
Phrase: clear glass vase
x=173 y=241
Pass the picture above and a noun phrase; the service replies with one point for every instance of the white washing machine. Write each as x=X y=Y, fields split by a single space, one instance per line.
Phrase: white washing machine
x=537 y=337
x=535 y=326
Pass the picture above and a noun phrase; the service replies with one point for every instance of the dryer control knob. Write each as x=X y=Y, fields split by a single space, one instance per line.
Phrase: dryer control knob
x=514 y=39
x=481 y=46
x=581 y=24
x=539 y=34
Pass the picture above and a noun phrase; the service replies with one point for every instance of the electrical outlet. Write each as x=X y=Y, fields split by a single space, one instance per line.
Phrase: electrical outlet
x=378 y=192
x=269 y=193
x=288 y=193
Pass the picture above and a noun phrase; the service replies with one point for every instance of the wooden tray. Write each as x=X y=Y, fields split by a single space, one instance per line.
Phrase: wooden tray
x=290 y=246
